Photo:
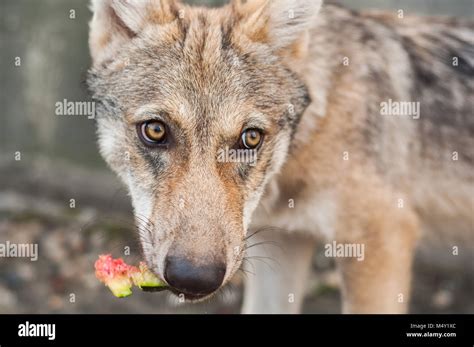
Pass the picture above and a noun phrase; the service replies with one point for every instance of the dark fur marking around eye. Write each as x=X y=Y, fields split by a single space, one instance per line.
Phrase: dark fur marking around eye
x=226 y=36
x=300 y=104
x=154 y=161
x=183 y=28
x=244 y=171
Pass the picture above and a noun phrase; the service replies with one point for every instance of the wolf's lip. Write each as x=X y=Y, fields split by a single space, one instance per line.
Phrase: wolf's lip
x=154 y=289
x=191 y=297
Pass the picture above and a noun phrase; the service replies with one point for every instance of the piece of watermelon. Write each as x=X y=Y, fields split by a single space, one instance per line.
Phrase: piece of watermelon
x=115 y=274
x=145 y=279
x=120 y=277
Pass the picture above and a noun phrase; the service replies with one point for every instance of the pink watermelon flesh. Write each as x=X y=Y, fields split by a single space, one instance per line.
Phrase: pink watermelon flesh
x=120 y=277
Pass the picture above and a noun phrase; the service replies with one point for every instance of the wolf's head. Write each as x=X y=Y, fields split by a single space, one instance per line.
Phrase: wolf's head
x=184 y=94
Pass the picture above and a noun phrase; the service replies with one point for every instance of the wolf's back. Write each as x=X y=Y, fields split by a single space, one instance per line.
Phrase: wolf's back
x=441 y=52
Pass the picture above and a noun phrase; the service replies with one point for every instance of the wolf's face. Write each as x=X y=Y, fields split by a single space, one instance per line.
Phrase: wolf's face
x=197 y=111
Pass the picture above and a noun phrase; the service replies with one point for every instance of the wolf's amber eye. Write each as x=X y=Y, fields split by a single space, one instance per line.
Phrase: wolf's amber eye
x=251 y=138
x=152 y=132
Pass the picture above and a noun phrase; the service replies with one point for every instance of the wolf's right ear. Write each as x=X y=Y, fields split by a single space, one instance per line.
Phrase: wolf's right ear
x=283 y=24
x=116 y=22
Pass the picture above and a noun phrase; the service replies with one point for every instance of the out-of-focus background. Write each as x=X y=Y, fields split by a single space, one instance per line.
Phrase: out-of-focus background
x=56 y=191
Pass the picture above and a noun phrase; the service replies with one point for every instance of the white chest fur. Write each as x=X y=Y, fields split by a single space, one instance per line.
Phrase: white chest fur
x=315 y=215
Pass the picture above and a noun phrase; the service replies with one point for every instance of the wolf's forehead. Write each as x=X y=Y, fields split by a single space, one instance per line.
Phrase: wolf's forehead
x=193 y=72
x=194 y=76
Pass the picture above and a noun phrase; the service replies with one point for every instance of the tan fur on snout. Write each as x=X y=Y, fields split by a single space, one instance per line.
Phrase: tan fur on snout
x=332 y=165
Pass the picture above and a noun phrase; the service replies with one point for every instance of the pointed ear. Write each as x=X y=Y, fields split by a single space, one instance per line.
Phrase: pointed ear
x=283 y=24
x=115 y=22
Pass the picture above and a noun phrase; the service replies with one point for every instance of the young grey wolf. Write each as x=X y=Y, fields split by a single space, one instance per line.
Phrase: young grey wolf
x=362 y=124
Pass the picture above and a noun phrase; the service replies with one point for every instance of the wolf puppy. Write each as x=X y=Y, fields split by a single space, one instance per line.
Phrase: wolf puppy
x=362 y=124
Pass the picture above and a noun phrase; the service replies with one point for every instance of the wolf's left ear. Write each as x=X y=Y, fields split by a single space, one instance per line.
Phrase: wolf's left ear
x=116 y=22
x=283 y=24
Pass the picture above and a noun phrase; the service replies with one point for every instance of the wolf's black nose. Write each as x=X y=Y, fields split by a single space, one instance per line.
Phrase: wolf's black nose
x=191 y=279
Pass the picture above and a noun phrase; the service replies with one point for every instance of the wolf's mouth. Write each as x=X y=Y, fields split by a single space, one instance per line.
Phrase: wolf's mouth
x=154 y=289
x=188 y=296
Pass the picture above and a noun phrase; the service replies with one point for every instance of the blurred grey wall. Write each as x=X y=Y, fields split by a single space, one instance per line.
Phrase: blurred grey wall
x=50 y=38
